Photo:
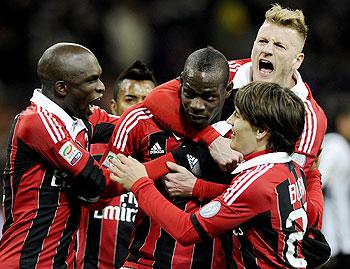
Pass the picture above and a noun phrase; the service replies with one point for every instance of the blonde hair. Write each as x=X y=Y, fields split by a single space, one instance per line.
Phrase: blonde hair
x=293 y=19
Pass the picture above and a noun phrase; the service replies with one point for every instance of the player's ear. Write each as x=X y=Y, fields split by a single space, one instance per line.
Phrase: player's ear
x=181 y=77
x=229 y=89
x=61 y=88
x=262 y=134
x=114 y=106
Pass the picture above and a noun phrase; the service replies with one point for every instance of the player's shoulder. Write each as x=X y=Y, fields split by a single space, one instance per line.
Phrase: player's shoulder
x=135 y=117
x=100 y=115
x=235 y=64
x=312 y=103
x=37 y=126
x=36 y=117
x=169 y=85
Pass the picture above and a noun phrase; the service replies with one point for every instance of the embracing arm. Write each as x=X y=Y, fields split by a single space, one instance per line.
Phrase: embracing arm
x=315 y=201
x=175 y=221
x=165 y=104
x=179 y=181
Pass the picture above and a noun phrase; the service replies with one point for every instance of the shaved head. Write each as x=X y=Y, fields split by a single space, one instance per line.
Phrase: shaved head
x=204 y=86
x=70 y=76
x=209 y=61
x=61 y=62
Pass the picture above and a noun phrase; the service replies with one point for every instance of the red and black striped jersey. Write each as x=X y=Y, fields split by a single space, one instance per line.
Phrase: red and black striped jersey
x=310 y=142
x=104 y=235
x=41 y=212
x=161 y=99
x=139 y=135
x=264 y=206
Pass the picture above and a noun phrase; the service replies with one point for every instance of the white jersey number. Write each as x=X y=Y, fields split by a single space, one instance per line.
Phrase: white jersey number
x=294 y=237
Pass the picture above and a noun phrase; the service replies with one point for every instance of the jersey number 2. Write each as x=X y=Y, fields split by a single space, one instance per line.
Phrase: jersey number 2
x=291 y=254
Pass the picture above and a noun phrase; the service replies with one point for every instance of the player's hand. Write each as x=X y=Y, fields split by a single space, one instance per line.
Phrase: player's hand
x=222 y=153
x=127 y=170
x=180 y=182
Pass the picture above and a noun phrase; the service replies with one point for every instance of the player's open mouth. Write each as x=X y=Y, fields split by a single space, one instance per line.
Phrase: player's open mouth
x=91 y=104
x=265 y=66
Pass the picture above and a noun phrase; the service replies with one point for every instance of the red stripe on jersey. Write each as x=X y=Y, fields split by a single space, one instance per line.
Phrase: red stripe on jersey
x=150 y=242
x=109 y=229
x=183 y=256
x=82 y=244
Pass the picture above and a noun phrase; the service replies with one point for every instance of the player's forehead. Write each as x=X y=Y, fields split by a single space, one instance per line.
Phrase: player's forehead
x=203 y=81
x=136 y=87
x=82 y=67
x=277 y=32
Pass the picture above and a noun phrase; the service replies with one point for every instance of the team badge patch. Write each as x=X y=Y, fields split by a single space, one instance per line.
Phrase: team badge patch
x=70 y=153
x=210 y=210
x=107 y=162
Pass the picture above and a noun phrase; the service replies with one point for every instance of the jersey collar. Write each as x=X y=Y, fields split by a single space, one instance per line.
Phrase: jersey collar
x=273 y=157
x=244 y=76
x=73 y=126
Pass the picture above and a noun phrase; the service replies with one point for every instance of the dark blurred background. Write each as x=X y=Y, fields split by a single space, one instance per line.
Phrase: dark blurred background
x=162 y=33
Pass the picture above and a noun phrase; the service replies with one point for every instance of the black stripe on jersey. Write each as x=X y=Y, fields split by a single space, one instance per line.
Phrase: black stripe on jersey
x=48 y=203
x=102 y=133
x=292 y=168
x=123 y=240
x=164 y=251
x=247 y=253
x=67 y=236
x=90 y=182
x=285 y=205
x=203 y=255
x=139 y=237
x=202 y=233
x=25 y=159
x=227 y=246
x=92 y=247
x=165 y=245
x=7 y=180
x=262 y=224
x=285 y=208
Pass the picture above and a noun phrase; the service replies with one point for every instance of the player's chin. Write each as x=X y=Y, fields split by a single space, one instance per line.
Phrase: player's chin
x=199 y=123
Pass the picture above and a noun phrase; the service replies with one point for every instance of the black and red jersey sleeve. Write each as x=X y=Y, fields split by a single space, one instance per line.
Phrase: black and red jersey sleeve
x=127 y=138
x=128 y=133
x=46 y=134
x=307 y=149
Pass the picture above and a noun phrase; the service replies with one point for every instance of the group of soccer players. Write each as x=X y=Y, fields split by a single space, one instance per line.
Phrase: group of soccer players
x=259 y=167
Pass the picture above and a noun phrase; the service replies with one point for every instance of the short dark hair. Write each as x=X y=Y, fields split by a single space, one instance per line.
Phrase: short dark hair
x=208 y=60
x=273 y=108
x=137 y=71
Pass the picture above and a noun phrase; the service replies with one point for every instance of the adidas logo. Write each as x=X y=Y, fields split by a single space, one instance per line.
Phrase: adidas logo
x=194 y=165
x=157 y=149
x=191 y=160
